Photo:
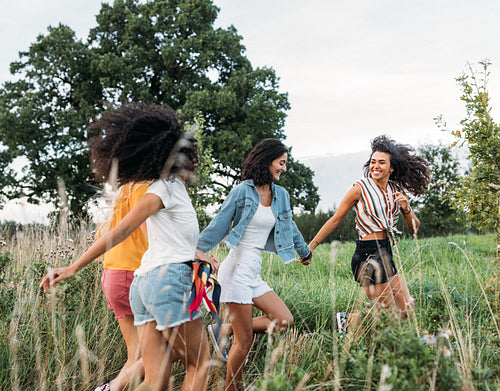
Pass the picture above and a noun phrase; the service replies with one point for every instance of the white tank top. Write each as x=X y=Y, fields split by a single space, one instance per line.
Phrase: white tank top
x=257 y=231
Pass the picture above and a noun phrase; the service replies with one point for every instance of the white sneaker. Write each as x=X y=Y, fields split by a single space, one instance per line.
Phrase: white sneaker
x=342 y=318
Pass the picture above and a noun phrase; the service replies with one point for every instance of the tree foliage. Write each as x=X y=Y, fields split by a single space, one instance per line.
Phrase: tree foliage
x=437 y=214
x=310 y=223
x=478 y=195
x=158 y=51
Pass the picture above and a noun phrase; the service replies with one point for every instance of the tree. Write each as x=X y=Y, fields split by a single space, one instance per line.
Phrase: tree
x=43 y=117
x=310 y=223
x=158 y=51
x=437 y=214
x=477 y=196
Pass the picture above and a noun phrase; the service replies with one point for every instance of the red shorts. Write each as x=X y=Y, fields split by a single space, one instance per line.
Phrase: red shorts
x=116 y=287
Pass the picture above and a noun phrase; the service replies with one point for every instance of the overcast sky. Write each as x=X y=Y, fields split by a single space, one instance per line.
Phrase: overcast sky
x=352 y=69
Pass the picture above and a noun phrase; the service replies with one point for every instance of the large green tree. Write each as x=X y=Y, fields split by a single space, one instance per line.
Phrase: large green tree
x=161 y=51
x=478 y=195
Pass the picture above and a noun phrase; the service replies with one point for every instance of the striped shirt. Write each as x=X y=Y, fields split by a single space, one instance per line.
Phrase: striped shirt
x=377 y=210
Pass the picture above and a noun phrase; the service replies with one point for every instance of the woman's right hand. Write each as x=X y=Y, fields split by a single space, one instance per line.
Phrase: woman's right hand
x=307 y=260
x=55 y=276
x=200 y=256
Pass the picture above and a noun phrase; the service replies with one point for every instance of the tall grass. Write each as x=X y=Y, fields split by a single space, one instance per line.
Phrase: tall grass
x=68 y=340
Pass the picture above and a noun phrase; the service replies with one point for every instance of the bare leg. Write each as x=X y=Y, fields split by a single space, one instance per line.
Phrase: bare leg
x=275 y=310
x=189 y=341
x=391 y=294
x=157 y=358
x=241 y=325
x=129 y=333
x=402 y=296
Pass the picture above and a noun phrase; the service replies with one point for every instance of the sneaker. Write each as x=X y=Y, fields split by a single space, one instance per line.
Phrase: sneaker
x=104 y=387
x=217 y=341
x=342 y=321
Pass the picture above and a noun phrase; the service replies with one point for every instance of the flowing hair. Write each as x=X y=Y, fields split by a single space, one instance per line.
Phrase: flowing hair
x=411 y=172
x=139 y=142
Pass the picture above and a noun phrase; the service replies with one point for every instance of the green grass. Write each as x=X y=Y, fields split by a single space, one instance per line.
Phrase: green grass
x=68 y=340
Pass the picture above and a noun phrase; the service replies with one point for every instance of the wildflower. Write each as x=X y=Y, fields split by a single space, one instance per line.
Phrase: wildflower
x=429 y=339
x=445 y=334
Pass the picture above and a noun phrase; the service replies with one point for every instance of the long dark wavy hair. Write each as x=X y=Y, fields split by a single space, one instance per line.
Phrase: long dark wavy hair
x=411 y=172
x=256 y=165
x=146 y=142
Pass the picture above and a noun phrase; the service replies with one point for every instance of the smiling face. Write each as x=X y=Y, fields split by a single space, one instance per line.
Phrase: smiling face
x=278 y=166
x=380 y=166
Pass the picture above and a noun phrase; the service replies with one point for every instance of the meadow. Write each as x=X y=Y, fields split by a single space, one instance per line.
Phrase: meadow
x=68 y=340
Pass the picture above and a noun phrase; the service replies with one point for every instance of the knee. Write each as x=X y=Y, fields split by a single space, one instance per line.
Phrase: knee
x=244 y=342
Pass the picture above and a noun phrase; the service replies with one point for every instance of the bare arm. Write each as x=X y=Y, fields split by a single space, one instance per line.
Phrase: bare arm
x=351 y=198
x=145 y=207
x=411 y=220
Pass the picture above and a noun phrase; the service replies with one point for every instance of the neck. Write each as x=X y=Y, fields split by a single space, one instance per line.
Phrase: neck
x=264 y=187
x=381 y=182
x=180 y=176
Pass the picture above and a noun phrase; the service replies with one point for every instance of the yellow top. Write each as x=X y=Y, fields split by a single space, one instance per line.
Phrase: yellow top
x=126 y=255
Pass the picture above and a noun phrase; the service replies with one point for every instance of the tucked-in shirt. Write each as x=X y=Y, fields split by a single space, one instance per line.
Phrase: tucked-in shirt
x=258 y=229
x=238 y=209
x=127 y=254
x=377 y=210
x=172 y=231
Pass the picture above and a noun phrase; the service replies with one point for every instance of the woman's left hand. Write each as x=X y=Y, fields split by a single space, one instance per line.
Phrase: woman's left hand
x=403 y=202
x=199 y=256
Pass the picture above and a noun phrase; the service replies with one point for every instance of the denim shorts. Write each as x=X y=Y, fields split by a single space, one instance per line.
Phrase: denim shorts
x=116 y=287
x=162 y=295
x=239 y=276
x=372 y=262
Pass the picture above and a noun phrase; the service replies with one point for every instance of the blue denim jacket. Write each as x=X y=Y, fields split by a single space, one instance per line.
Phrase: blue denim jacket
x=239 y=207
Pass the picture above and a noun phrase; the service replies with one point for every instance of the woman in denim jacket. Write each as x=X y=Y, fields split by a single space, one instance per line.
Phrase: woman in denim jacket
x=255 y=217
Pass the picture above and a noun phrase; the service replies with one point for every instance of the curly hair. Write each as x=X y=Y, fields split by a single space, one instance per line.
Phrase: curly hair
x=146 y=141
x=256 y=165
x=411 y=172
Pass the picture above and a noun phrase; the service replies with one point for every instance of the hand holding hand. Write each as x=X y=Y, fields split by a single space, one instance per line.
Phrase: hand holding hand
x=306 y=260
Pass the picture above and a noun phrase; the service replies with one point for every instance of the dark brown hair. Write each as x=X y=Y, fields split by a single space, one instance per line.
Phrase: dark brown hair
x=411 y=172
x=256 y=165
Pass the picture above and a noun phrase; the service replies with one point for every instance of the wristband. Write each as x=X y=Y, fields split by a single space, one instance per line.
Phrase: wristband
x=406 y=213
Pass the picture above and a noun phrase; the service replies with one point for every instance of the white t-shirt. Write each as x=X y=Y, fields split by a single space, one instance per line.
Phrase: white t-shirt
x=258 y=228
x=172 y=231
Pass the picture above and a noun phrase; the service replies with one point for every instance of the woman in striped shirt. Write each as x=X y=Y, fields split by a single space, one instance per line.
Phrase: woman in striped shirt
x=392 y=171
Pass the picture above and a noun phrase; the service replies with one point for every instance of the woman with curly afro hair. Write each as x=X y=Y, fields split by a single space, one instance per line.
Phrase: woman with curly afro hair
x=137 y=143
x=392 y=171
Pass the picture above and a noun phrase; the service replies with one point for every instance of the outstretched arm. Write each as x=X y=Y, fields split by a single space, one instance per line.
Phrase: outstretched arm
x=144 y=208
x=350 y=199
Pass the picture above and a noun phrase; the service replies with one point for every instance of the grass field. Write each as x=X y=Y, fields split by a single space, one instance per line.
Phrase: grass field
x=68 y=340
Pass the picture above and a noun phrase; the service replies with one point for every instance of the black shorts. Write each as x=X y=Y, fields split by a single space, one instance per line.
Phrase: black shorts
x=372 y=262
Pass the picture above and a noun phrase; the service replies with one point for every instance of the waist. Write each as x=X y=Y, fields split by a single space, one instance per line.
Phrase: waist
x=374 y=243
x=379 y=235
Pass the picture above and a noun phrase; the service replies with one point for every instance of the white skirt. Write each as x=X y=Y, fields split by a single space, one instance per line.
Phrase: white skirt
x=239 y=276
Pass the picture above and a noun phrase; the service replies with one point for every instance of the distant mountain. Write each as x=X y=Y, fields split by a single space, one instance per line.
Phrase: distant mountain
x=335 y=174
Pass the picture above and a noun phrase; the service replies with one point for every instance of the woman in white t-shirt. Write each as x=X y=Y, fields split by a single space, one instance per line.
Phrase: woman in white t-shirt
x=146 y=143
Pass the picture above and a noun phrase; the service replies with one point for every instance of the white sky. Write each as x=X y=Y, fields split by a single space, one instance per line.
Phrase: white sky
x=353 y=70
